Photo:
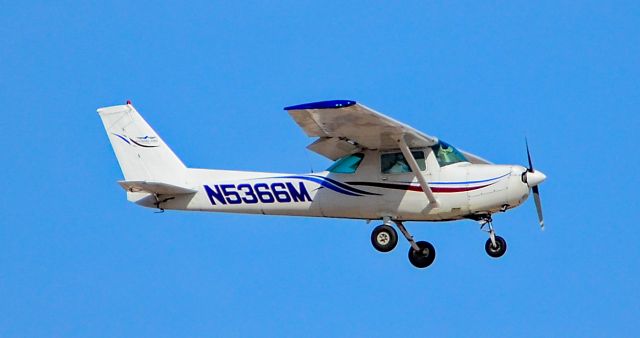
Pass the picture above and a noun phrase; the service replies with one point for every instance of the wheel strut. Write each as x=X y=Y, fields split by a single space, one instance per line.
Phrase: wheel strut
x=407 y=235
x=488 y=221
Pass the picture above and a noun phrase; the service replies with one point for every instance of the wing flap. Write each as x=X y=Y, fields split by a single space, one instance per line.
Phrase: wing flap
x=333 y=148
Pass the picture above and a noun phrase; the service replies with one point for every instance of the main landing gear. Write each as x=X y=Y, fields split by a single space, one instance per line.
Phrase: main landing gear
x=495 y=246
x=385 y=238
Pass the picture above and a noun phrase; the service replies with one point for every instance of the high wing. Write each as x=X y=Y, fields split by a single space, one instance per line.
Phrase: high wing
x=475 y=159
x=344 y=127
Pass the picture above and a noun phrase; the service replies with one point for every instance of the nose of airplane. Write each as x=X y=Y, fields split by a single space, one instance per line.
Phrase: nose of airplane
x=535 y=177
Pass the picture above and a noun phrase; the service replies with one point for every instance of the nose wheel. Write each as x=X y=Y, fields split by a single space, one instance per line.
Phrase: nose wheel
x=495 y=246
x=496 y=250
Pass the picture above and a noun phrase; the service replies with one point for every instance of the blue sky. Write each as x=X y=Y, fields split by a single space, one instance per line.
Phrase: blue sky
x=77 y=260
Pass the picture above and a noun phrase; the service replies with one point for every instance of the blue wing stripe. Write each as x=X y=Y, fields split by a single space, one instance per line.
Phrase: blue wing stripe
x=323 y=105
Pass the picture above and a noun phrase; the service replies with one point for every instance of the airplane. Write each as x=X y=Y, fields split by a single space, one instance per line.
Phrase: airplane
x=384 y=170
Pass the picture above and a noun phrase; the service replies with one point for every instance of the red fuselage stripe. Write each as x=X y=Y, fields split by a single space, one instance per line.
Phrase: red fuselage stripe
x=418 y=188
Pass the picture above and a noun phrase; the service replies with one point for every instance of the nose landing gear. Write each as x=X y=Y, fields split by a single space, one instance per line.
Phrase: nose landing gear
x=496 y=250
x=495 y=246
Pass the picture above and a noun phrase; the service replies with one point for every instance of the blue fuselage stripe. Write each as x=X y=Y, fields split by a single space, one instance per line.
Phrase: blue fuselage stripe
x=472 y=182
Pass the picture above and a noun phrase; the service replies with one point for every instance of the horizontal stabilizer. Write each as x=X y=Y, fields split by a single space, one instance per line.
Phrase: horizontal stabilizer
x=155 y=188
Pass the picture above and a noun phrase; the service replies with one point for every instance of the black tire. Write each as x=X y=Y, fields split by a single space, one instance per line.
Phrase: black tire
x=384 y=238
x=499 y=250
x=423 y=258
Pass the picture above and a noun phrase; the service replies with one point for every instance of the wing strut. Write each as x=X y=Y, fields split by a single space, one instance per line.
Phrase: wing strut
x=416 y=170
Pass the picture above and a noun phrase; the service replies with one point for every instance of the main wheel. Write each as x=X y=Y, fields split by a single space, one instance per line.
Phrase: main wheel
x=498 y=250
x=423 y=257
x=384 y=238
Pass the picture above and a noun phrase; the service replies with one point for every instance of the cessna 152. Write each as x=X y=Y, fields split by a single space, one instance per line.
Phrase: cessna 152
x=384 y=170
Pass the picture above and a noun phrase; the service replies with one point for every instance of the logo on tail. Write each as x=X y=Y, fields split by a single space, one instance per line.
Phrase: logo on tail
x=142 y=141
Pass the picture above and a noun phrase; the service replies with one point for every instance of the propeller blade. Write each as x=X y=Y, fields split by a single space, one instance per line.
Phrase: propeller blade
x=528 y=155
x=536 y=198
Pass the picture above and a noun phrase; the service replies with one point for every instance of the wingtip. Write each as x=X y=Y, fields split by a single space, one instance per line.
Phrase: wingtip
x=322 y=105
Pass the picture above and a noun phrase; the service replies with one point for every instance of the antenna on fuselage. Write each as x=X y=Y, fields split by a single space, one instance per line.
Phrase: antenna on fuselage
x=306 y=154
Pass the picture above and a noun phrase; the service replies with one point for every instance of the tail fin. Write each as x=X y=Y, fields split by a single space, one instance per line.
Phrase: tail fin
x=141 y=153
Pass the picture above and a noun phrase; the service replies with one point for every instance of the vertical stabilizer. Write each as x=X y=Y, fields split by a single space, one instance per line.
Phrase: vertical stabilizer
x=142 y=154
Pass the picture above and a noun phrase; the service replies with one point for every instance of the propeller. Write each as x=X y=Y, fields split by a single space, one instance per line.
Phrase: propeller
x=533 y=178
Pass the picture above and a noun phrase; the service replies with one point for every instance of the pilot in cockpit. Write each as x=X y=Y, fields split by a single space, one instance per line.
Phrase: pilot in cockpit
x=394 y=163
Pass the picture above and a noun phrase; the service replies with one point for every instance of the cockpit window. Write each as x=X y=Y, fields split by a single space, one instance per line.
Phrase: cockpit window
x=395 y=163
x=347 y=165
x=447 y=154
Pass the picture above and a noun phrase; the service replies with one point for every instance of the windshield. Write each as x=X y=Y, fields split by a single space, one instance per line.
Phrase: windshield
x=347 y=165
x=447 y=154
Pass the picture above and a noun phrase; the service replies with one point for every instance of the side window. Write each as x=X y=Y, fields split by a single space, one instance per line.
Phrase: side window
x=395 y=163
x=347 y=165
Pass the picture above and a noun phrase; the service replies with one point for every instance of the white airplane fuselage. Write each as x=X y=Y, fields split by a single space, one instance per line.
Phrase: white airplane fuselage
x=383 y=170
x=463 y=190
